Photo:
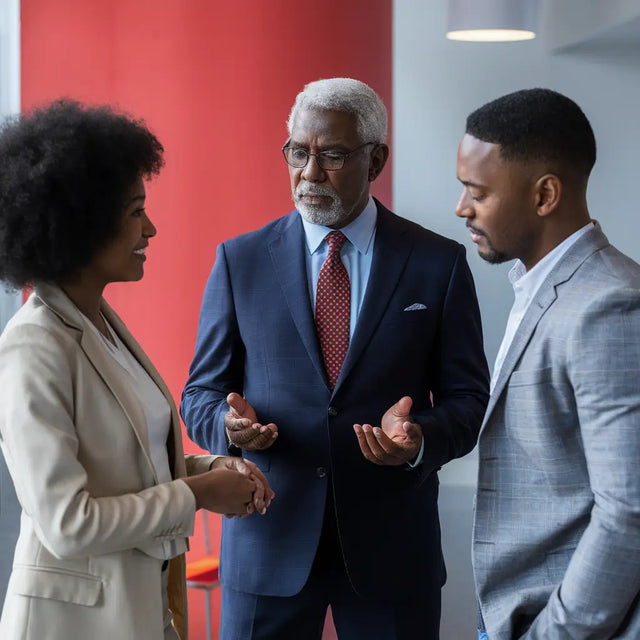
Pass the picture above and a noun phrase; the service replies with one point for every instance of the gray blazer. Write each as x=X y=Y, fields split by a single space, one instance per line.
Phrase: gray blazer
x=556 y=546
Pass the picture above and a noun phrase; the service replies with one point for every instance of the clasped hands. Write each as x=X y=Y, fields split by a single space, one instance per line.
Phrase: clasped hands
x=396 y=441
x=233 y=486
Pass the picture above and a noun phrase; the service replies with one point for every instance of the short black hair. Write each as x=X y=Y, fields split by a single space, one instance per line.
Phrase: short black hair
x=65 y=172
x=537 y=124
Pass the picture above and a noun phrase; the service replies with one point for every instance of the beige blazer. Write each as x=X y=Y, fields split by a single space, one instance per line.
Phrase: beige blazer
x=75 y=440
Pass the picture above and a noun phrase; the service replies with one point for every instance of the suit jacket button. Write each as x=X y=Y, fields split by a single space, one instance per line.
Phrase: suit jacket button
x=333 y=412
x=321 y=472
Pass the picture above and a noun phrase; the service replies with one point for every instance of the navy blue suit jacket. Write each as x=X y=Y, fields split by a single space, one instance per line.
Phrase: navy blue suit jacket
x=257 y=337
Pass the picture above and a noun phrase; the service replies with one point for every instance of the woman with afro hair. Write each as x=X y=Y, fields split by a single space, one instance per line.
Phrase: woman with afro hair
x=90 y=434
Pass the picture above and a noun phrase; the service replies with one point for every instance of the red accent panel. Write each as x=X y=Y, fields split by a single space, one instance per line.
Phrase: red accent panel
x=215 y=81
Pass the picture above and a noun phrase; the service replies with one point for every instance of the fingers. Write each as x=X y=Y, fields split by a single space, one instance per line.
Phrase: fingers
x=241 y=431
x=237 y=404
x=263 y=494
x=240 y=407
x=378 y=448
x=255 y=437
x=247 y=433
x=402 y=408
x=413 y=431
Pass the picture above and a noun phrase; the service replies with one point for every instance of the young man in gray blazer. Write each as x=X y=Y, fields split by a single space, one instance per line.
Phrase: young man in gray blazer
x=556 y=544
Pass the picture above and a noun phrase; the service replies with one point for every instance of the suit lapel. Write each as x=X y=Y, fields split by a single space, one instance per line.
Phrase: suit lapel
x=538 y=307
x=176 y=457
x=390 y=253
x=287 y=254
x=109 y=370
x=591 y=241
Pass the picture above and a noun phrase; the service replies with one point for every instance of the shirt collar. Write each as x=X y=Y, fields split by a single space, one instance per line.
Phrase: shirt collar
x=530 y=281
x=359 y=232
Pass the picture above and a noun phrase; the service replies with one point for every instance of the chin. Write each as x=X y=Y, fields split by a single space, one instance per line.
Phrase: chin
x=134 y=277
x=493 y=257
x=316 y=215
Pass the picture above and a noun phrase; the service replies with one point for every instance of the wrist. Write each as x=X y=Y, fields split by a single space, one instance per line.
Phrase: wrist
x=193 y=484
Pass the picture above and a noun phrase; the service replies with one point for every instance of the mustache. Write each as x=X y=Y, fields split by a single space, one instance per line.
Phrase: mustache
x=314 y=190
x=477 y=231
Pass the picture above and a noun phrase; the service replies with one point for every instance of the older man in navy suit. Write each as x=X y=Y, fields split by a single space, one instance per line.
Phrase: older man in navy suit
x=339 y=348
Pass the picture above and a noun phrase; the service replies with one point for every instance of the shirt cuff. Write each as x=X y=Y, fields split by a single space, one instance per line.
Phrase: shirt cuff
x=418 y=460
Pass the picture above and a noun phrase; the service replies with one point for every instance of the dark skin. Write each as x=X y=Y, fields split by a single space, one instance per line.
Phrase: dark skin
x=517 y=209
x=397 y=439
x=233 y=486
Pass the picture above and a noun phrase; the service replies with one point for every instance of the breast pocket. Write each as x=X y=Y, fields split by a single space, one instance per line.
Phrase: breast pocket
x=67 y=586
x=529 y=377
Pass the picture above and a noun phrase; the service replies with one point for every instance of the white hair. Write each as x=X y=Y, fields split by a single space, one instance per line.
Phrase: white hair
x=348 y=95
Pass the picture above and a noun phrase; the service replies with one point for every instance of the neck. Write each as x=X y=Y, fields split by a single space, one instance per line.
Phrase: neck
x=87 y=299
x=556 y=232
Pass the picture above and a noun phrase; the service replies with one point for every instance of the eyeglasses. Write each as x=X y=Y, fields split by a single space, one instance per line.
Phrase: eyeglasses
x=327 y=160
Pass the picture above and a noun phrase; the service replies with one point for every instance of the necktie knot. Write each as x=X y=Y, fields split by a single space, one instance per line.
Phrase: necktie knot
x=335 y=240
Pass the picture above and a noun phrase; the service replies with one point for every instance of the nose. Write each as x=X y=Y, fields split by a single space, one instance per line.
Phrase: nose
x=464 y=208
x=312 y=172
x=148 y=228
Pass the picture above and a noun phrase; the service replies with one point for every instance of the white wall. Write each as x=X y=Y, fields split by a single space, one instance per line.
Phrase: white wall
x=9 y=104
x=438 y=82
x=9 y=302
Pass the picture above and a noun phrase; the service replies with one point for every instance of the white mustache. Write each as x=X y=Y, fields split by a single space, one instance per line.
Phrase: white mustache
x=314 y=190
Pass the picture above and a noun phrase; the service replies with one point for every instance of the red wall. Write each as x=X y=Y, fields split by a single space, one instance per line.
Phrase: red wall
x=215 y=81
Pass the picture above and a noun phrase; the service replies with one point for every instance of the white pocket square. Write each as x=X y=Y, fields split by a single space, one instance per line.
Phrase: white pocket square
x=416 y=306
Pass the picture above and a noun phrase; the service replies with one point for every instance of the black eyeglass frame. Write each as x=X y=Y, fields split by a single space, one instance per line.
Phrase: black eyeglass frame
x=319 y=156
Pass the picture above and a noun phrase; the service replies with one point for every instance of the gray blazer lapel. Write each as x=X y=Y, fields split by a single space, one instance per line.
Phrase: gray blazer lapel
x=287 y=254
x=592 y=241
x=539 y=305
x=109 y=371
x=390 y=253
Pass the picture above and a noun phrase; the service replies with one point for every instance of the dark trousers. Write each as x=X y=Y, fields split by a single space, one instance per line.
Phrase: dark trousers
x=247 y=616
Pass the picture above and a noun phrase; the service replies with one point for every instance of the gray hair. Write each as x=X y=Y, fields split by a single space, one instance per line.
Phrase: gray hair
x=348 y=95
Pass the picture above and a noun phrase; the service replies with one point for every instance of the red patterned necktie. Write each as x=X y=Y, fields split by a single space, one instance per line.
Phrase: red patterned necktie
x=333 y=308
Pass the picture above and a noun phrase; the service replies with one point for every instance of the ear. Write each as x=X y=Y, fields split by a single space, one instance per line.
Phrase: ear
x=377 y=160
x=548 y=190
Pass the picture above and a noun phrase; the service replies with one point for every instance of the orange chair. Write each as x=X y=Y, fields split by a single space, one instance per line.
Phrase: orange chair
x=203 y=572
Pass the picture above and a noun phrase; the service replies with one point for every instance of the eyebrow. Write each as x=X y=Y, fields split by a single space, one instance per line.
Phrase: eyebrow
x=469 y=183
x=333 y=146
x=140 y=197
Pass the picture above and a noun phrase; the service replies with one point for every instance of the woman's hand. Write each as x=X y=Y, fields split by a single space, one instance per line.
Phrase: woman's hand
x=234 y=487
x=223 y=490
x=263 y=494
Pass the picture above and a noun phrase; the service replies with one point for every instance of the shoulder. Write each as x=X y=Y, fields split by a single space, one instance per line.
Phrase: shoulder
x=598 y=308
x=36 y=331
x=605 y=278
x=271 y=230
x=421 y=237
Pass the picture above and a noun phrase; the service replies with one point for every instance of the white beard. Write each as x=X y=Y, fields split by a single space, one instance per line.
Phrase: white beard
x=318 y=214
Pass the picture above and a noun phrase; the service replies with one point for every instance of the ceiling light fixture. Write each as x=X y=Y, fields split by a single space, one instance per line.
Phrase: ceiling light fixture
x=491 y=20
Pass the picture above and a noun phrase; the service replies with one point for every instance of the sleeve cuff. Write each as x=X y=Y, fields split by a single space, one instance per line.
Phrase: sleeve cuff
x=418 y=460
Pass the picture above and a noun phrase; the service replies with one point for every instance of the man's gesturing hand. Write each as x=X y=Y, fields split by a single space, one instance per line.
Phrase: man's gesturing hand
x=396 y=441
x=243 y=428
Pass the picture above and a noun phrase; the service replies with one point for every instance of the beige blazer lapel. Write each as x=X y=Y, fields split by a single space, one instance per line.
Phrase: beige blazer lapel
x=177 y=456
x=107 y=368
